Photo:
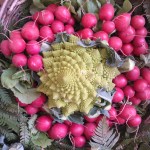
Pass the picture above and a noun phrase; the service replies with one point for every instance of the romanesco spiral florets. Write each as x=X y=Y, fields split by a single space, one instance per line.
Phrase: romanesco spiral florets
x=72 y=74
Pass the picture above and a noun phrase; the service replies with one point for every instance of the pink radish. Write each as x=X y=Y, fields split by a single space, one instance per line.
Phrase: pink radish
x=120 y=120
x=43 y=123
x=78 y=141
x=90 y=119
x=15 y=34
x=127 y=112
x=129 y=91
x=108 y=27
x=76 y=129
x=140 y=85
x=20 y=103
x=63 y=14
x=71 y=21
x=89 y=130
x=120 y=81
x=137 y=21
x=115 y=43
x=39 y=102
x=17 y=45
x=139 y=41
x=30 y=31
x=135 y=100
x=106 y=12
x=145 y=72
x=127 y=49
x=68 y=122
x=46 y=34
x=113 y=113
x=35 y=16
x=69 y=29
x=57 y=26
x=52 y=8
x=30 y=110
x=4 y=47
x=102 y=35
x=35 y=63
x=135 y=122
x=133 y=74
x=86 y=33
x=88 y=20
x=19 y=60
x=141 y=32
x=118 y=96
x=137 y=51
x=33 y=47
x=58 y=131
x=127 y=35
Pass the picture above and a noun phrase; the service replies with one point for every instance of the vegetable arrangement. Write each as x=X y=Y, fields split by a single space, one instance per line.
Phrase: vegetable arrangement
x=77 y=74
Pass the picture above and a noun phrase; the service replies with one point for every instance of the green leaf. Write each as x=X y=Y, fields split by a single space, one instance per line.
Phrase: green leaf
x=28 y=96
x=40 y=139
x=127 y=6
x=6 y=78
x=38 y=4
x=71 y=7
x=31 y=121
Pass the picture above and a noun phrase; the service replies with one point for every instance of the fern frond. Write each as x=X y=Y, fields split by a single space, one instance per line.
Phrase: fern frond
x=104 y=138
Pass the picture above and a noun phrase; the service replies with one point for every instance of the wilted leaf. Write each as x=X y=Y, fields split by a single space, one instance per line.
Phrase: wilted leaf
x=47 y=2
x=6 y=78
x=45 y=47
x=145 y=59
x=77 y=118
x=70 y=6
x=38 y=4
x=146 y=5
x=61 y=37
x=41 y=139
x=16 y=146
x=31 y=121
x=28 y=96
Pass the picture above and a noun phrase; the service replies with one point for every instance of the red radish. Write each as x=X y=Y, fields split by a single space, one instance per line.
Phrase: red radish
x=63 y=14
x=78 y=141
x=88 y=20
x=71 y=21
x=133 y=74
x=137 y=51
x=45 y=17
x=106 y=12
x=4 y=47
x=135 y=100
x=113 y=113
x=140 y=85
x=19 y=60
x=120 y=81
x=115 y=42
x=58 y=131
x=33 y=47
x=86 y=33
x=15 y=34
x=127 y=35
x=35 y=63
x=141 y=32
x=90 y=119
x=135 y=122
x=57 y=26
x=145 y=72
x=17 y=45
x=30 y=110
x=68 y=122
x=122 y=21
x=99 y=118
x=137 y=21
x=30 y=31
x=76 y=129
x=35 y=16
x=108 y=27
x=52 y=7
x=89 y=130
x=120 y=120
x=101 y=35
x=43 y=123
x=127 y=49
x=127 y=112
x=129 y=91
x=144 y=95
x=139 y=41
x=46 y=34
x=118 y=96
x=39 y=102
x=69 y=29
x=20 y=103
